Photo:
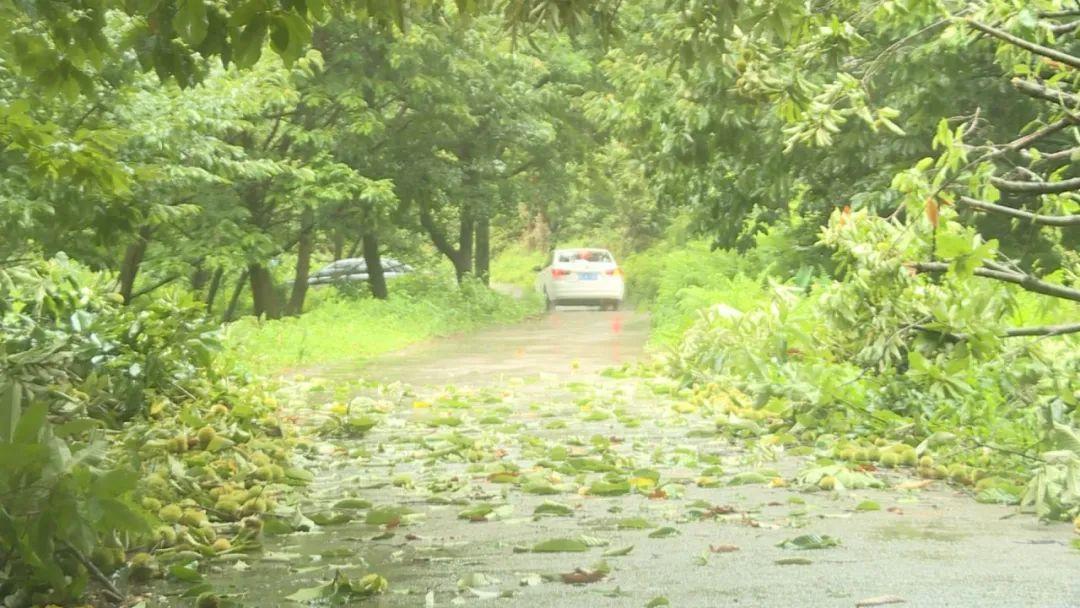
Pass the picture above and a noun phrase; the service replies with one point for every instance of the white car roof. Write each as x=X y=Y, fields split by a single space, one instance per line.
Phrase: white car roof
x=575 y=249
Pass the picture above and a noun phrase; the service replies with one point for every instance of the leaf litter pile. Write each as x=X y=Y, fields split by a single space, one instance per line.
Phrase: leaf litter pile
x=459 y=495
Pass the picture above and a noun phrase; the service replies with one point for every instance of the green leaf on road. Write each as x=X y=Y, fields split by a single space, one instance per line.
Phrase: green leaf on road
x=553 y=508
x=810 y=541
x=560 y=545
x=665 y=532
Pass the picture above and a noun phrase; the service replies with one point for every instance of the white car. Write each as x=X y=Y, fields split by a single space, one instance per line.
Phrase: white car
x=582 y=277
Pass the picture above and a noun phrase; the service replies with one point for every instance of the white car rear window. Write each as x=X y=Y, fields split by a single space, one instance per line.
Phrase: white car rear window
x=587 y=255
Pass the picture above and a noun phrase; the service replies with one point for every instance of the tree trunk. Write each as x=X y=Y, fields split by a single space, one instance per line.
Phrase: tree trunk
x=463 y=261
x=376 y=278
x=339 y=245
x=230 y=310
x=133 y=257
x=356 y=247
x=303 y=263
x=199 y=277
x=460 y=256
x=211 y=293
x=482 y=261
x=264 y=298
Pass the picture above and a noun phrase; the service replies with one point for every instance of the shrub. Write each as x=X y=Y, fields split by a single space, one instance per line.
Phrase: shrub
x=105 y=409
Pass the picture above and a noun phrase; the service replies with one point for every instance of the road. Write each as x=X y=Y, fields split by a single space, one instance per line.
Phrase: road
x=513 y=418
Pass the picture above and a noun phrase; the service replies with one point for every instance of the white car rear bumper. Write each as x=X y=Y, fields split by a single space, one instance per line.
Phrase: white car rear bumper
x=603 y=289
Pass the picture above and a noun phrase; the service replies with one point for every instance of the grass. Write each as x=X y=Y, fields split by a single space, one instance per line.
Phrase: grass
x=353 y=330
x=515 y=265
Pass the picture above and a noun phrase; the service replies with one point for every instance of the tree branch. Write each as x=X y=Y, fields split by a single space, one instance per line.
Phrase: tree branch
x=1065 y=185
x=1039 y=91
x=1043 y=330
x=1050 y=157
x=1027 y=45
x=1046 y=220
x=1015 y=332
x=1064 y=28
x=1059 y=14
x=1034 y=218
x=1025 y=281
x=438 y=238
x=153 y=287
x=273 y=132
x=109 y=590
x=522 y=168
x=1025 y=141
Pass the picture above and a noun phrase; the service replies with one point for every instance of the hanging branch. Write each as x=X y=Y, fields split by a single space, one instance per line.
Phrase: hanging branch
x=1025 y=141
x=1065 y=185
x=108 y=588
x=1064 y=28
x=1046 y=220
x=1043 y=330
x=1027 y=45
x=1059 y=14
x=1050 y=157
x=1025 y=281
x=1039 y=91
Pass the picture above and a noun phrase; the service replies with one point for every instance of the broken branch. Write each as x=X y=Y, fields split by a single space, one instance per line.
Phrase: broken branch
x=1027 y=45
x=1065 y=185
x=1039 y=91
x=1046 y=220
x=1025 y=281
x=1043 y=330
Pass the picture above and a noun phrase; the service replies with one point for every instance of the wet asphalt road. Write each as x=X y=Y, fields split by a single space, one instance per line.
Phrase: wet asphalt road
x=581 y=341
x=932 y=547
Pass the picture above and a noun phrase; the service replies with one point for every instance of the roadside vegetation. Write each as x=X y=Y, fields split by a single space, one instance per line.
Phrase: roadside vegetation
x=855 y=224
x=347 y=330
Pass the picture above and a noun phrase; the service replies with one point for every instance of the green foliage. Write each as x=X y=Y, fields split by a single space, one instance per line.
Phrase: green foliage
x=516 y=265
x=100 y=404
x=352 y=330
x=881 y=351
x=677 y=279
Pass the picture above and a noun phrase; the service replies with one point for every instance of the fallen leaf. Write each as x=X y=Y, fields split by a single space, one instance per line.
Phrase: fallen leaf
x=794 y=561
x=560 y=545
x=748 y=478
x=619 y=551
x=476 y=579
x=553 y=508
x=593 y=541
x=723 y=548
x=809 y=541
x=582 y=577
x=665 y=532
x=633 y=523
x=715 y=511
x=879 y=600
x=352 y=503
x=607 y=488
x=914 y=484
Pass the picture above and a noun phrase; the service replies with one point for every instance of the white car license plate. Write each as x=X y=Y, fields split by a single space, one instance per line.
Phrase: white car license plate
x=588 y=276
